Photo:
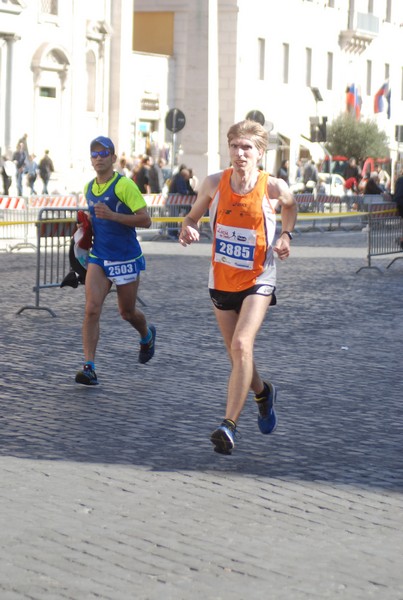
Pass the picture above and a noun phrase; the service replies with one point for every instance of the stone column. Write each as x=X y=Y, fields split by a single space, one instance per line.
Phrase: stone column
x=120 y=61
x=9 y=39
x=213 y=157
x=198 y=87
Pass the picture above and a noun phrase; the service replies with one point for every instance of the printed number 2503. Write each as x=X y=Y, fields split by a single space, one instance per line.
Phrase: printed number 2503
x=120 y=270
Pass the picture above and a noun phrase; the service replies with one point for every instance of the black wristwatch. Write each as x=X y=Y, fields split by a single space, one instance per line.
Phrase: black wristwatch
x=287 y=233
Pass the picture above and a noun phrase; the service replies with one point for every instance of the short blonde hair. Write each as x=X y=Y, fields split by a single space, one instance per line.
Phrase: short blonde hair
x=251 y=130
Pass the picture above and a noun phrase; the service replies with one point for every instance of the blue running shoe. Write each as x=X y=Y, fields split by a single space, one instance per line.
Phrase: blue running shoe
x=147 y=350
x=87 y=376
x=267 y=419
x=223 y=438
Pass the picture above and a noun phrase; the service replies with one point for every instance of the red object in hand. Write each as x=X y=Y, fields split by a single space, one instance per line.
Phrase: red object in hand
x=85 y=242
x=351 y=184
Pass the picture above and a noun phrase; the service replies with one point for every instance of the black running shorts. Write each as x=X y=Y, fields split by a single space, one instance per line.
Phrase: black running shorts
x=233 y=300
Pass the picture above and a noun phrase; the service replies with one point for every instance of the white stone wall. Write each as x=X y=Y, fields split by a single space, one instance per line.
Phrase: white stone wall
x=51 y=52
x=300 y=24
x=64 y=126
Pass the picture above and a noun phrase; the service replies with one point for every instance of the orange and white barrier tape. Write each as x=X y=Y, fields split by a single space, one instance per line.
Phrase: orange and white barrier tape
x=53 y=201
x=12 y=202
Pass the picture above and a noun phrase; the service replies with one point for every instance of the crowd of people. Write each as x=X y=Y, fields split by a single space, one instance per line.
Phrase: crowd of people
x=367 y=182
x=311 y=177
x=21 y=171
x=155 y=176
x=22 y=168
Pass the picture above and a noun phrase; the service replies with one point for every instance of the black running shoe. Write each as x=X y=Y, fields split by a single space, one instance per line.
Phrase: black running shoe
x=87 y=376
x=223 y=438
x=147 y=350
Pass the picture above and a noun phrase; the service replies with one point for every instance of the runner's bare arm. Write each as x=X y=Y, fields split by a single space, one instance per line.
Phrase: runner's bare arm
x=277 y=188
x=190 y=226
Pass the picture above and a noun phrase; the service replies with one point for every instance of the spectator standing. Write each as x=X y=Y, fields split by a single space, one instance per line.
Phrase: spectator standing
x=7 y=173
x=122 y=168
x=193 y=183
x=383 y=178
x=32 y=173
x=166 y=170
x=46 y=168
x=310 y=175
x=142 y=175
x=20 y=159
x=24 y=141
x=156 y=178
x=351 y=170
x=299 y=173
x=282 y=173
x=398 y=198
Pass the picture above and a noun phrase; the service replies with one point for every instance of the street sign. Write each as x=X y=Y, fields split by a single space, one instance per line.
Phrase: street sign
x=274 y=139
x=256 y=115
x=399 y=133
x=175 y=120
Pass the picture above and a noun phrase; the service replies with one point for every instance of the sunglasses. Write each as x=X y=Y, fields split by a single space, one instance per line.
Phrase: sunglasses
x=103 y=153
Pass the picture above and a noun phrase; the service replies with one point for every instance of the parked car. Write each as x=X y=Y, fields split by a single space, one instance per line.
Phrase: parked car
x=334 y=164
x=331 y=184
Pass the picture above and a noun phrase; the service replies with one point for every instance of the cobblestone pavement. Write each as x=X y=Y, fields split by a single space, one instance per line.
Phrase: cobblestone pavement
x=114 y=492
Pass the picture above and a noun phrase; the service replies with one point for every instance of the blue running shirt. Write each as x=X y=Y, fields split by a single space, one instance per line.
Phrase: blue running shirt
x=114 y=241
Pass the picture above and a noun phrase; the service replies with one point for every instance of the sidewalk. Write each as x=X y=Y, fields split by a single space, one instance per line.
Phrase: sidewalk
x=115 y=493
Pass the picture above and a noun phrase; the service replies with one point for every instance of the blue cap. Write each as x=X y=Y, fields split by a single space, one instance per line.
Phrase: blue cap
x=103 y=141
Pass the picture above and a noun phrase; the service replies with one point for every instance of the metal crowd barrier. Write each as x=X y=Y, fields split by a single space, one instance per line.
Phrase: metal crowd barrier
x=347 y=212
x=18 y=216
x=55 y=227
x=15 y=227
x=385 y=232
x=317 y=209
x=167 y=212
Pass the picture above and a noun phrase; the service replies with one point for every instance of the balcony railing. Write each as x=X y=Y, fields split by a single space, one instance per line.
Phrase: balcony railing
x=362 y=29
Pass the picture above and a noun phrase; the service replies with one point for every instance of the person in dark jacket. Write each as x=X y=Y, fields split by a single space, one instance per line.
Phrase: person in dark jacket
x=20 y=158
x=141 y=177
x=180 y=182
x=282 y=173
x=372 y=187
x=398 y=198
x=156 y=178
x=46 y=168
x=352 y=170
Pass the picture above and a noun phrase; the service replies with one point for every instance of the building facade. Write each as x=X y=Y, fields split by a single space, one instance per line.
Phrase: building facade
x=292 y=61
x=61 y=66
x=72 y=70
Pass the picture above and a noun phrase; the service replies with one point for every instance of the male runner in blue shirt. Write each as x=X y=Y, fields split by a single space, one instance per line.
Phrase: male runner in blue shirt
x=116 y=208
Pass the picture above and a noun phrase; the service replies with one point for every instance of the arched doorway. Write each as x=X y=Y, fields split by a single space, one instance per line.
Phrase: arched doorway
x=50 y=66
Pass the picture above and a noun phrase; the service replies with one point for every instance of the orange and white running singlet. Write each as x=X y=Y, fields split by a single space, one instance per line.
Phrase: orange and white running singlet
x=243 y=228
